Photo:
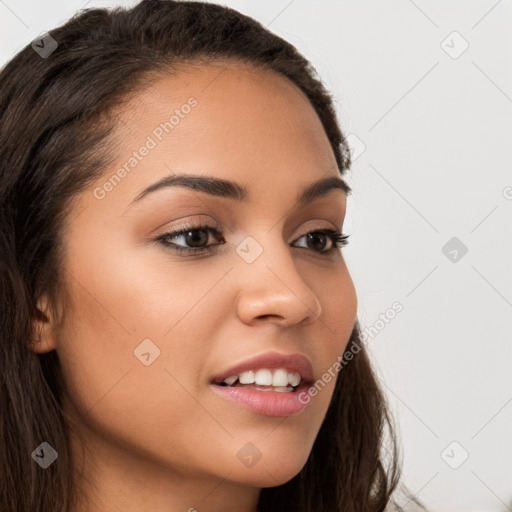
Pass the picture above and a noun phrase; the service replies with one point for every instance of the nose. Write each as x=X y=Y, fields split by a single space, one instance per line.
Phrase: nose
x=272 y=290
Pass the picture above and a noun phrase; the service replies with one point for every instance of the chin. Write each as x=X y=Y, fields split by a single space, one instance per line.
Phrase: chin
x=274 y=468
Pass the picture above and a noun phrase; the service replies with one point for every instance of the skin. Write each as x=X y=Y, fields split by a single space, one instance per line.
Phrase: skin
x=156 y=437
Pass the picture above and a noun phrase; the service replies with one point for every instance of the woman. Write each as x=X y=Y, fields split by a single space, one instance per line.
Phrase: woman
x=179 y=327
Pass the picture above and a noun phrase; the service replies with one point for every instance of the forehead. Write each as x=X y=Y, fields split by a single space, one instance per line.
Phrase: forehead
x=226 y=84
x=233 y=121
x=239 y=109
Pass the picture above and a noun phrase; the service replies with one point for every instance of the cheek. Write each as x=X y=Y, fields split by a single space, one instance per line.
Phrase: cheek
x=338 y=297
x=125 y=313
x=144 y=401
x=339 y=310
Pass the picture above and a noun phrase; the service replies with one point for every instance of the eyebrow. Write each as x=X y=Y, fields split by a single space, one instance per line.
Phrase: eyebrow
x=219 y=187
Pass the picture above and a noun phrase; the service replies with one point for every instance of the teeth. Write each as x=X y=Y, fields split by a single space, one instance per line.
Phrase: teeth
x=279 y=377
x=263 y=377
x=246 y=377
x=231 y=380
x=294 y=379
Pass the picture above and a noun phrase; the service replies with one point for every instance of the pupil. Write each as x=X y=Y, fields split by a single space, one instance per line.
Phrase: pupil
x=192 y=240
x=322 y=236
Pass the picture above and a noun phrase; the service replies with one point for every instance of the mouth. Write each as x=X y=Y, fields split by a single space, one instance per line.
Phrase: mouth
x=263 y=396
x=269 y=384
x=274 y=369
x=280 y=380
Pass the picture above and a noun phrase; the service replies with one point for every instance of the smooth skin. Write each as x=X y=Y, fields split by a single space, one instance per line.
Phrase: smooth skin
x=155 y=437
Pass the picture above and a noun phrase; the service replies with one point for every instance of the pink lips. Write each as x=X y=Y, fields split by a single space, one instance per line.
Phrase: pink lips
x=291 y=362
x=269 y=403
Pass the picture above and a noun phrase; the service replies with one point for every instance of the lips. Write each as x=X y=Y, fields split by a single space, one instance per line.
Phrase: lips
x=271 y=360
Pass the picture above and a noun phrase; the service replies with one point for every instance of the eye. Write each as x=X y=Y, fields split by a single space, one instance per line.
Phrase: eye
x=196 y=238
x=317 y=239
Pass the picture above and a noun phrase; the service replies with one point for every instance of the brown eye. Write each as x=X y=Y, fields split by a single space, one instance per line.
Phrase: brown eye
x=193 y=238
x=317 y=240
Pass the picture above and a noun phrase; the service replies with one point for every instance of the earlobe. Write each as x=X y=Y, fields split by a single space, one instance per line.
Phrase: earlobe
x=44 y=325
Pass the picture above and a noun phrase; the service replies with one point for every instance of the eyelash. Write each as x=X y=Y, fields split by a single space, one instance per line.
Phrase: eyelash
x=338 y=239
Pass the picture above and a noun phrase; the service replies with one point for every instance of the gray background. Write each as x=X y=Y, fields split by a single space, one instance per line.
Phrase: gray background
x=434 y=122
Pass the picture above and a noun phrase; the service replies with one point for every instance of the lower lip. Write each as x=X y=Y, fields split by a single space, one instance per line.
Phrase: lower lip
x=267 y=403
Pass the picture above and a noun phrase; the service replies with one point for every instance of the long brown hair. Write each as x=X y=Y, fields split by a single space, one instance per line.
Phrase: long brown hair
x=54 y=126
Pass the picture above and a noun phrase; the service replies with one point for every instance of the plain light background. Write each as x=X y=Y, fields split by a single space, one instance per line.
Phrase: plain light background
x=425 y=91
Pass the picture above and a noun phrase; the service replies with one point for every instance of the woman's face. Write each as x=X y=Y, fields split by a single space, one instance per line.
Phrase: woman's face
x=149 y=327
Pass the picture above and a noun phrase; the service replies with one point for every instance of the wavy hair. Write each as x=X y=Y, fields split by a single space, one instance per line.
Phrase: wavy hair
x=55 y=122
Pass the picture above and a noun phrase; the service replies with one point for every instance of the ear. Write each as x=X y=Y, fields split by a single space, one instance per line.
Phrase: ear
x=44 y=327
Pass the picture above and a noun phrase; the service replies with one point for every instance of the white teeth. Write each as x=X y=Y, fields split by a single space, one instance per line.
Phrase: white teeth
x=231 y=380
x=294 y=379
x=246 y=377
x=279 y=377
x=263 y=377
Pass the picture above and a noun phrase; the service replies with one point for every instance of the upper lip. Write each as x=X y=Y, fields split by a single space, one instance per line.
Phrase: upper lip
x=291 y=362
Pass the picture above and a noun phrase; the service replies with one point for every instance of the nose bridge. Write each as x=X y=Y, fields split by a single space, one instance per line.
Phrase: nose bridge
x=270 y=284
